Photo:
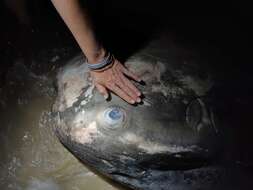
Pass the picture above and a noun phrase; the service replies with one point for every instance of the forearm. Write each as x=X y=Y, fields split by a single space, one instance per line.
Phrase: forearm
x=80 y=25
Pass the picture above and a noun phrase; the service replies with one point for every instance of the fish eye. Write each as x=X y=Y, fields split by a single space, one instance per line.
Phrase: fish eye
x=114 y=117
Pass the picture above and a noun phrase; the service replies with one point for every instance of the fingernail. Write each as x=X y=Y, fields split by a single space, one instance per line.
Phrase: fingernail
x=106 y=96
x=138 y=100
x=138 y=93
x=142 y=82
x=132 y=101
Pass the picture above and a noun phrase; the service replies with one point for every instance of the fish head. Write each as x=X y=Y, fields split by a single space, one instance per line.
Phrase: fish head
x=172 y=129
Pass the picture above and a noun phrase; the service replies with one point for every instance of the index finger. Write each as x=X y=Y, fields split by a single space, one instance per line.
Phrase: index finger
x=121 y=93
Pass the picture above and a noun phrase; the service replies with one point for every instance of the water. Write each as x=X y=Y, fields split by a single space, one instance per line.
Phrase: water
x=31 y=158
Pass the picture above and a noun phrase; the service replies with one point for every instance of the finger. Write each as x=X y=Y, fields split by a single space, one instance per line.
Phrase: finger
x=119 y=82
x=102 y=90
x=129 y=86
x=121 y=93
x=131 y=74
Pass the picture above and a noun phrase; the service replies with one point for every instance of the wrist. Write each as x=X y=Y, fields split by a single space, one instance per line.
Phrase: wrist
x=96 y=56
x=104 y=63
x=103 y=68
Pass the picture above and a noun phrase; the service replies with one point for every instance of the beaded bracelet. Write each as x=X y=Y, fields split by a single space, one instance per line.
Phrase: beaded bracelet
x=107 y=60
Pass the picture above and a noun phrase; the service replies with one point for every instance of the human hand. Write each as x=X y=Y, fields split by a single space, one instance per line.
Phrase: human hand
x=114 y=78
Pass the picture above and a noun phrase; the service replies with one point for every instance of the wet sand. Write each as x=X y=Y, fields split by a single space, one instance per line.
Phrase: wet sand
x=31 y=156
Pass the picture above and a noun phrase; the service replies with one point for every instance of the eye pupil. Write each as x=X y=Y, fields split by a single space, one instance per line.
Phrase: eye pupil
x=113 y=117
x=115 y=114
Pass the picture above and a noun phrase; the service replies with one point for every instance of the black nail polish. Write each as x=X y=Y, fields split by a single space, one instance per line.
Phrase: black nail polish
x=142 y=82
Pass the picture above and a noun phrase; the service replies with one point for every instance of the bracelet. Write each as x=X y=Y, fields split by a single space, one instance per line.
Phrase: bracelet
x=107 y=60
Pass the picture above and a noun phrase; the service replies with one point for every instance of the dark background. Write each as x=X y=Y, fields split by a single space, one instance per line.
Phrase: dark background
x=126 y=26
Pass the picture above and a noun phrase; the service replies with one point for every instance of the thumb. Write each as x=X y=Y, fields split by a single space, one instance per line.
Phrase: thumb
x=102 y=90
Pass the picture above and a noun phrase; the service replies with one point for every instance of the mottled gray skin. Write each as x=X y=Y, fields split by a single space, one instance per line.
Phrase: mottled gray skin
x=167 y=142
